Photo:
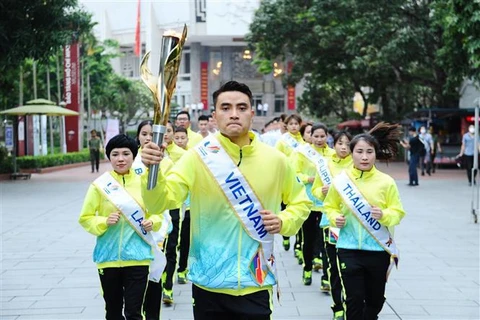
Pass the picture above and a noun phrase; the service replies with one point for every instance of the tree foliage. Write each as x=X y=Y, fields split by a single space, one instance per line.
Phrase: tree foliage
x=391 y=52
x=37 y=29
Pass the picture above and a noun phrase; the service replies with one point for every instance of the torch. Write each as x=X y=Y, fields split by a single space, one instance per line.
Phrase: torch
x=162 y=87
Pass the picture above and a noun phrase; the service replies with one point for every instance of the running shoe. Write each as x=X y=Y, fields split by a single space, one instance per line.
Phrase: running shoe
x=317 y=264
x=167 y=296
x=300 y=257
x=339 y=315
x=307 y=278
x=182 y=277
x=325 y=287
x=286 y=244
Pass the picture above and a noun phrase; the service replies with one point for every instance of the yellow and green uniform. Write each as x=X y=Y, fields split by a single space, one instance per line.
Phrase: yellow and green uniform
x=221 y=252
x=193 y=138
x=175 y=152
x=336 y=166
x=380 y=190
x=306 y=169
x=117 y=245
x=284 y=148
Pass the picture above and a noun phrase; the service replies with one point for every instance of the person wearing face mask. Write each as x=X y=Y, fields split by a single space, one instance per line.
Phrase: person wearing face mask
x=426 y=161
x=416 y=149
x=365 y=204
x=466 y=150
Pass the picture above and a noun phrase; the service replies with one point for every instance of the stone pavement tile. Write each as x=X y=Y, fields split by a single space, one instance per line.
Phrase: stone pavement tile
x=78 y=293
x=26 y=292
x=45 y=304
x=8 y=317
x=55 y=313
x=455 y=313
x=16 y=305
x=458 y=302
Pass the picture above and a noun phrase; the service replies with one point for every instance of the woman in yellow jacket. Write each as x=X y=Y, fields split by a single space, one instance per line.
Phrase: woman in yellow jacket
x=287 y=144
x=306 y=169
x=121 y=254
x=341 y=160
x=365 y=204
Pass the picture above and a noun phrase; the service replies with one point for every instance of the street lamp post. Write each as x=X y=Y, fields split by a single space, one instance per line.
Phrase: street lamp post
x=63 y=142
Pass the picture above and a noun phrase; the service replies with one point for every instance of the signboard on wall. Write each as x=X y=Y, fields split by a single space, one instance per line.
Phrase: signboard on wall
x=291 y=99
x=71 y=68
x=204 y=84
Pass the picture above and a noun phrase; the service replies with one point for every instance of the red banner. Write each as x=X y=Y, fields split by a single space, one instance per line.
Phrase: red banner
x=204 y=84
x=137 y=32
x=290 y=90
x=71 y=84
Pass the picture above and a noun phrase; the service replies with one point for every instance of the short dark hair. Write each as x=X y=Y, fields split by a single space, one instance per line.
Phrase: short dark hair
x=233 y=86
x=304 y=127
x=140 y=126
x=203 y=118
x=319 y=125
x=121 y=141
x=180 y=129
x=341 y=134
x=412 y=129
x=183 y=112
x=294 y=117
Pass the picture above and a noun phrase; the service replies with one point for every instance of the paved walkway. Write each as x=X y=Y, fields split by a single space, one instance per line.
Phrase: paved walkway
x=46 y=270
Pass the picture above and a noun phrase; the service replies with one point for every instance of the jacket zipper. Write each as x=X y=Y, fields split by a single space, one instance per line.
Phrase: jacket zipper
x=121 y=230
x=240 y=161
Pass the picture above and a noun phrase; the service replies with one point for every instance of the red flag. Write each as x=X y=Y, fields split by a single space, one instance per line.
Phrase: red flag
x=137 y=47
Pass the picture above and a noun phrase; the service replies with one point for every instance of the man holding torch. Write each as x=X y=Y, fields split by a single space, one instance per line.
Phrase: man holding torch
x=236 y=183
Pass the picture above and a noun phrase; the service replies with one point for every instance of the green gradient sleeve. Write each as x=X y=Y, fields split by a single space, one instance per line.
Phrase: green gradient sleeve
x=332 y=205
x=394 y=212
x=298 y=161
x=317 y=187
x=171 y=190
x=297 y=201
x=89 y=220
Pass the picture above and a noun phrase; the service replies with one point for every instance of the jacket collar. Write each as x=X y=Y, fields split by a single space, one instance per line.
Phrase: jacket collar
x=233 y=148
x=359 y=174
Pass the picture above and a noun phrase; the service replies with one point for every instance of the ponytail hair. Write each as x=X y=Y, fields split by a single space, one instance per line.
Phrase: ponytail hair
x=384 y=137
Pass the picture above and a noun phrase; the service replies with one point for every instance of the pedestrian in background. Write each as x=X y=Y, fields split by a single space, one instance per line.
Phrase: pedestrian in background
x=416 y=148
x=94 y=145
x=467 y=150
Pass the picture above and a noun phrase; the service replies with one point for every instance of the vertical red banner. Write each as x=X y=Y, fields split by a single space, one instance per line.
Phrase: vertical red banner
x=204 y=84
x=137 y=46
x=71 y=84
x=290 y=90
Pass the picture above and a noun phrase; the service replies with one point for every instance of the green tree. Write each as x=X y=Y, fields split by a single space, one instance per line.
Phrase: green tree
x=391 y=48
x=37 y=29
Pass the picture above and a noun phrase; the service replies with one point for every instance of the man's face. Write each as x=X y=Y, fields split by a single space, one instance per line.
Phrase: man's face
x=182 y=121
x=233 y=113
x=181 y=139
x=203 y=126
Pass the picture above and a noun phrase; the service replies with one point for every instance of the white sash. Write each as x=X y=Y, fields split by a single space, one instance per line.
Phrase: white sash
x=134 y=215
x=242 y=200
x=319 y=161
x=138 y=167
x=361 y=209
x=290 y=141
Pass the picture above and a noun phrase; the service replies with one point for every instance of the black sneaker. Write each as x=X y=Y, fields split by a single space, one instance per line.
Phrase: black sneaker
x=286 y=244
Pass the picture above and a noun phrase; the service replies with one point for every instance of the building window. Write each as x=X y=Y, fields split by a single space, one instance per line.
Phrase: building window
x=279 y=104
x=257 y=100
